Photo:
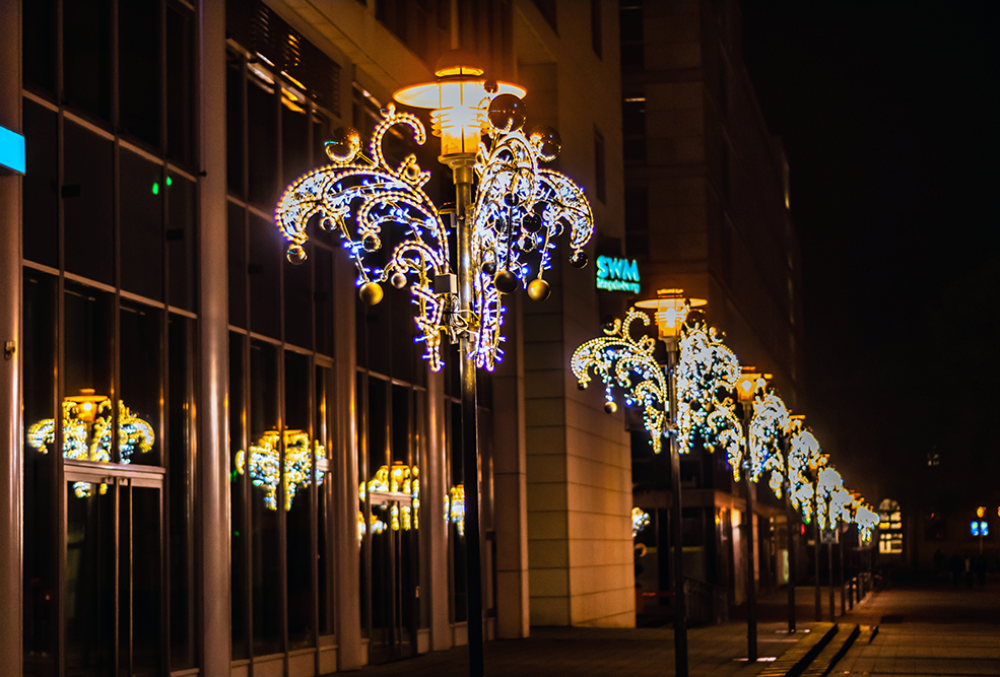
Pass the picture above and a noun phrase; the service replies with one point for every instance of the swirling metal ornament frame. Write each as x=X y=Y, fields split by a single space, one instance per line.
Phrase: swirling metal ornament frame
x=375 y=195
x=615 y=358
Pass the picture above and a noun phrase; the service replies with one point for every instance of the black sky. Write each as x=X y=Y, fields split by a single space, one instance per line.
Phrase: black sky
x=888 y=113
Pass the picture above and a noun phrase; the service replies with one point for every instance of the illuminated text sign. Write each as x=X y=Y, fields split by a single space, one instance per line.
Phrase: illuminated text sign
x=615 y=274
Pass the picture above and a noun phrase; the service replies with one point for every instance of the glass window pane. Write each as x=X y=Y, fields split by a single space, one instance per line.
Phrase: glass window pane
x=294 y=140
x=378 y=425
x=299 y=462
x=323 y=296
x=182 y=358
x=181 y=236
x=237 y=266
x=265 y=499
x=88 y=202
x=145 y=547
x=239 y=488
x=89 y=322
x=456 y=529
x=262 y=119
x=139 y=106
x=234 y=123
x=180 y=82
x=266 y=257
x=141 y=199
x=38 y=34
x=41 y=184
x=87 y=56
x=41 y=522
x=325 y=521
x=141 y=390
x=298 y=302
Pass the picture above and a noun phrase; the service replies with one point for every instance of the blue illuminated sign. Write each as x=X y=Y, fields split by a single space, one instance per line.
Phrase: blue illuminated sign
x=974 y=527
x=11 y=150
x=615 y=274
x=979 y=528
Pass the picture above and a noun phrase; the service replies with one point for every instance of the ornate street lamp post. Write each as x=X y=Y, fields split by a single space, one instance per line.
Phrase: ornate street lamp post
x=748 y=386
x=805 y=458
x=679 y=401
x=507 y=229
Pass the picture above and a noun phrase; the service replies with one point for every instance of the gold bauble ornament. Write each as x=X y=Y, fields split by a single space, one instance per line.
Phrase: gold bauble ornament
x=371 y=293
x=539 y=290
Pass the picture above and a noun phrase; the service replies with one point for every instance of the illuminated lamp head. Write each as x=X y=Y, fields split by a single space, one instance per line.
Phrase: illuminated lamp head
x=671 y=310
x=458 y=101
x=87 y=404
x=749 y=383
x=981 y=511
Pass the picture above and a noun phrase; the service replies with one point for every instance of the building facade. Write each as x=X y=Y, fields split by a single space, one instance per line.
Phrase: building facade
x=706 y=196
x=217 y=463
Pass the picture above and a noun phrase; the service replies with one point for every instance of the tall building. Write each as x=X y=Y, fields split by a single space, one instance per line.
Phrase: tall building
x=198 y=437
x=706 y=194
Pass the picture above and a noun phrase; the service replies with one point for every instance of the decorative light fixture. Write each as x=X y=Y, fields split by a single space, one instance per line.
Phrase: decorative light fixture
x=454 y=507
x=640 y=520
x=866 y=519
x=706 y=371
x=805 y=459
x=265 y=464
x=671 y=308
x=516 y=214
x=621 y=358
x=87 y=426
x=399 y=488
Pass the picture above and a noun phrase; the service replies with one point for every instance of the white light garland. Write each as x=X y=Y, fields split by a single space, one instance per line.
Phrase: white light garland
x=617 y=358
x=513 y=193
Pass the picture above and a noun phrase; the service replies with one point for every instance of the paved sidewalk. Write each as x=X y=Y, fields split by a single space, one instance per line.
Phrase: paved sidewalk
x=600 y=652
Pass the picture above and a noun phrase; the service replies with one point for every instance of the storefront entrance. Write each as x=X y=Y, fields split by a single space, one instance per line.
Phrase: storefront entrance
x=114 y=579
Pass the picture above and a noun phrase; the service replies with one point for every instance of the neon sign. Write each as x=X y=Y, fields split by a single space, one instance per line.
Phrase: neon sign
x=615 y=274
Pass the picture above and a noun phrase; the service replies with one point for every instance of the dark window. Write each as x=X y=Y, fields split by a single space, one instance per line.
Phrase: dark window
x=140 y=391
x=41 y=185
x=298 y=302
x=180 y=82
x=599 y=166
x=596 y=28
x=264 y=268
x=265 y=525
x=142 y=195
x=631 y=32
x=323 y=299
x=236 y=226
x=87 y=57
x=262 y=133
x=180 y=439
x=238 y=496
x=87 y=194
x=181 y=235
x=38 y=35
x=235 y=83
x=139 y=107
x=298 y=517
x=637 y=222
x=634 y=128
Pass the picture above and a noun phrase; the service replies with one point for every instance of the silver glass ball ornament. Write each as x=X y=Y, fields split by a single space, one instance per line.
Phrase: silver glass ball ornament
x=296 y=254
x=506 y=282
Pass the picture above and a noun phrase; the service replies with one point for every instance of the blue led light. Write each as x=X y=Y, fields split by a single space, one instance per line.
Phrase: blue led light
x=12 y=150
x=974 y=527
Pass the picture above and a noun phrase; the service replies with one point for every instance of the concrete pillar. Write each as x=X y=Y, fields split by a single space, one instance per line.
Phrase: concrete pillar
x=345 y=522
x=213 y=419
x=510 y=514
x=10 y=330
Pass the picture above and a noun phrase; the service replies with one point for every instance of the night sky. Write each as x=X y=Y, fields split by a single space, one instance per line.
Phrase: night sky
x=888 y=113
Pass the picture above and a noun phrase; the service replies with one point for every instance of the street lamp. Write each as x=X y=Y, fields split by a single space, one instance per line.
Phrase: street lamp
x=805 y=459
x=681 y=398
x=773 y=425
x=516 y=214
x=832 y=500
x=749 y=384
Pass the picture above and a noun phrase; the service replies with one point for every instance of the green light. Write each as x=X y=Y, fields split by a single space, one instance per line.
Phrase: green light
x=156 y=188
x=169 y=181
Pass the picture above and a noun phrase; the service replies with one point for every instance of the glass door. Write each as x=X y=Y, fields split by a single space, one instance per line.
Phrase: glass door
x=114 y=581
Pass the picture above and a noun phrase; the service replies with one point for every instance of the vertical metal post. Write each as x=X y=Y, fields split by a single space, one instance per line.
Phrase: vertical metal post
x=463 y=175
x=748 y=532
x=829 y=563
x=843 y=590
x=789 y=513
x=680 y=602
x=213 y=412
x=819 y=596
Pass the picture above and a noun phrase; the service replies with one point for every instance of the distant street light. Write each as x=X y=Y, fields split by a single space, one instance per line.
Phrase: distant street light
x=749 y=384
x=679 y=400
x=805 y=459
